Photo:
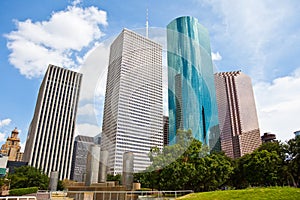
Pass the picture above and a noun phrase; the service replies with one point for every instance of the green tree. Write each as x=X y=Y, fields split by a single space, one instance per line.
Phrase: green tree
x=293 y=147
x=260 y=168
x=186 y=165
x=282 y=151
x=27 y=176
x=114 y=178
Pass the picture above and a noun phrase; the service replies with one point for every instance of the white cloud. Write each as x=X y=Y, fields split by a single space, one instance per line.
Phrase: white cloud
x=250 y=29
x=22 y=144
x=87 y=129
x=278 y=105
x=87 y=109
x=216 y=56
x=2 y=137
x=76 y=2
x=94 y=70
x=5 y=122
x=57 y=41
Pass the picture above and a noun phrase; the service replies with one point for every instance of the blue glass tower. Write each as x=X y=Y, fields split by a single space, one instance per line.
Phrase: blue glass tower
x=191 y=87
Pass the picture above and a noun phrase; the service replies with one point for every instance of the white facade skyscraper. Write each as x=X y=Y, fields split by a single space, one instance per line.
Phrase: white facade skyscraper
x=133 y=108
x=50 y=139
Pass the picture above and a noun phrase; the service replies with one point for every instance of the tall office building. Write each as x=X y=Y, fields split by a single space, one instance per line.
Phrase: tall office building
x=166 y=130
x=191 y=87
x=50 y=139
x=133 y=108
x=79 y=159
x=237 y=114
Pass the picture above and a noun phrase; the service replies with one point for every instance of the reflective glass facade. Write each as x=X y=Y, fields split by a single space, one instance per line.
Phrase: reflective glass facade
x=191 y=89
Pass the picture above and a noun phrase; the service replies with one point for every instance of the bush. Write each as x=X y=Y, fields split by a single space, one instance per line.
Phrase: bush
x=145 y=189
x=22 y=191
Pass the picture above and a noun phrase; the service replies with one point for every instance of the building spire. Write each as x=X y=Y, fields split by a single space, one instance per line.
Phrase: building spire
x=147 y=24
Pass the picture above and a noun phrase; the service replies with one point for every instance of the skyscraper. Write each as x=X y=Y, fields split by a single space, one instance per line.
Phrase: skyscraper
x=191 y=88
x=166 y=130
x=133 y=108
x=237 y=114
x=79 y=159
x=50 y=139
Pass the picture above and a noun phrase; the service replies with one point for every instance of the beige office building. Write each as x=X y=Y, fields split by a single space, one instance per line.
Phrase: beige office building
x=239 y=127
x=50 y=139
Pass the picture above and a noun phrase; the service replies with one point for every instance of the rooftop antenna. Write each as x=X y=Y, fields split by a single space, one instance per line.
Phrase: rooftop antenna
x=147 y=24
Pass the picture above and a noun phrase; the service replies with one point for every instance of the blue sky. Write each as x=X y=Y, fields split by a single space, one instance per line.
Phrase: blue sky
x=259 y=37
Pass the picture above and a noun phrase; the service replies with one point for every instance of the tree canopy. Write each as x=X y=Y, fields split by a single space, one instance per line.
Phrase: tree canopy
x=188 y=164
x=27 y=176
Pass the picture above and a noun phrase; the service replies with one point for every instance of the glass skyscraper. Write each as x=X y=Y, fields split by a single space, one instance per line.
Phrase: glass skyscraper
x=191 y=88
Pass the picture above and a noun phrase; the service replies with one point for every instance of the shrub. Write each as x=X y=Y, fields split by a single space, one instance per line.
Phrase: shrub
x=22 y=191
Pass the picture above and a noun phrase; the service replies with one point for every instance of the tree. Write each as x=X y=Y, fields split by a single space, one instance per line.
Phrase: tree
x=260 y=168
x=111 y=177
x=293 y=147
x=27 y=176
x=281 y=149
x=186 y=165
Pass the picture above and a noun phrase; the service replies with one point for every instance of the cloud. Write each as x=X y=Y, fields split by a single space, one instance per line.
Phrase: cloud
x=216 y=56
x=5 y=122
x=87 y=129
x=61 y=40
x=2 y=137
x=22 y=144
x=278 y=105
x=94 y=70
x=87 y=109
x=252 y=32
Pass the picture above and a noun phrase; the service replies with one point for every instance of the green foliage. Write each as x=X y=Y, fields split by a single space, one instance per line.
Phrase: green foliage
x=278 y=147
x=273 y=163
x=60 y=185
x=189 y=165
x=293 y=160
x=185 y=165
x=274 y=193
x=23 y=191
x=114 y=178
x=1 y=181
x=27 y=176
x=261 y=168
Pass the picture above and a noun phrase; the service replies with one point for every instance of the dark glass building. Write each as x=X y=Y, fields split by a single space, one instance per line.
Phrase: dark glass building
x=191 y=87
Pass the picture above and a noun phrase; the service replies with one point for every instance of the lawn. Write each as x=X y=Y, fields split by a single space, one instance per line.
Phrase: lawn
x=272 y=193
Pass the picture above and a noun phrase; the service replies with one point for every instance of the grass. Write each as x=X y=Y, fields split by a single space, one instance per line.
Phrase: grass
x=273 y=193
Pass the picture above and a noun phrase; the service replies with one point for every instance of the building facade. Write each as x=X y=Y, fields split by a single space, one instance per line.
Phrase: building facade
x=166 y=130
x=133 y=108
x=268 y=137
x=3 y=164
x=50 y=139
x=79 y=160
x=237 y=114
x=12 y=147
x=191 y=87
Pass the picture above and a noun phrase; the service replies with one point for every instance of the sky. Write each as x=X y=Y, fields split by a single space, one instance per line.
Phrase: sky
x=259 y=37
